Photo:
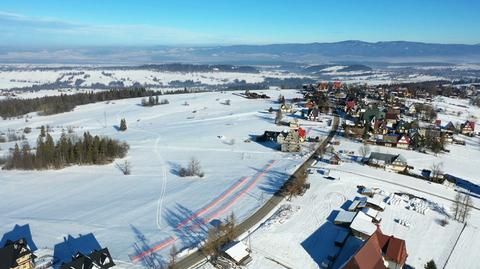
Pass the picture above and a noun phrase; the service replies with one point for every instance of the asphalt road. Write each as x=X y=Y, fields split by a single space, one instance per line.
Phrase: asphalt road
x=198 y=257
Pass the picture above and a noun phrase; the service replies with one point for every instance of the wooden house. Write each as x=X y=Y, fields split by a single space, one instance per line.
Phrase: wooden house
x=96 y=259
x=403 y=142
x=468 y=128
x=290 y=142
x=335 y=159
x=396 y=163
x=16 y=255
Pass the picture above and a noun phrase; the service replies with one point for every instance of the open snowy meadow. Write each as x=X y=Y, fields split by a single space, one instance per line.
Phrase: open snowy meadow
x=153 y=209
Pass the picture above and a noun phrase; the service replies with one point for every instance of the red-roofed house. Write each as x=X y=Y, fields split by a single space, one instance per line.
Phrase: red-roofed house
x=337 y=85
x=404 y=142
x=468 y=128
x=379 y=252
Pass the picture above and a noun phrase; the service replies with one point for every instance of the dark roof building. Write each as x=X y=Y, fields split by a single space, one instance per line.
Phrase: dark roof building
x=16 y=254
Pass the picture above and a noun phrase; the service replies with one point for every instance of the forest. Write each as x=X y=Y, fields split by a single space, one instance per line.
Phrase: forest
x=49 y=105
x=68 y=150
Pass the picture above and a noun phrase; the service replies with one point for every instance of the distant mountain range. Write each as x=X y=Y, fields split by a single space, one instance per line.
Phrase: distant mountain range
x=312 y=53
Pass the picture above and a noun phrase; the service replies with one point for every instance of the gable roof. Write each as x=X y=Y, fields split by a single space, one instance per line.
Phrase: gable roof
x=394 y=249
x=102 y=258
x=370 y=255
x=13 y=251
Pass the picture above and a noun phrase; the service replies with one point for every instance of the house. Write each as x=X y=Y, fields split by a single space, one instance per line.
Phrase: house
x=354 y=131
x=290 y=142
x=403 y=142
x=238 y=252
x=388 y=140
x=16 y=255
x=380 y=127
x=335 y=159
x=468 y=128
x=337 y=85
x=287 y=108
x=392 y=116
x=98 y=259
x=396 y=163
x=380 y=251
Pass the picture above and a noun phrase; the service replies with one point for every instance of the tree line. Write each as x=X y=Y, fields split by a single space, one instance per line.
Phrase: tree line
x=49 y=105
x=68 y=150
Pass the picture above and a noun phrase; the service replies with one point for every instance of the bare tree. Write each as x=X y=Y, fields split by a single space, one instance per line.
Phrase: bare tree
x=364 y=151
x=437 y=171
x=467 y=207
x=462 y=206
x=125 y=167
x=173 y=257
x=456 y=206
x=193 y=169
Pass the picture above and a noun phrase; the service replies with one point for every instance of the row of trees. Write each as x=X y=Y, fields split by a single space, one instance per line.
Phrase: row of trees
x=153 y=101
x=461 y=207
x=219 y=236
x=48 y=105
x=68 y=150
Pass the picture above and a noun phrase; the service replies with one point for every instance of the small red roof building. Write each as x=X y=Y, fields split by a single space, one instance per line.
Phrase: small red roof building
x=404 y=140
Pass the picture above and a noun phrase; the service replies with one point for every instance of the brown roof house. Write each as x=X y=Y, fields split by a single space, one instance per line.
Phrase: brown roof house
x=380 y=251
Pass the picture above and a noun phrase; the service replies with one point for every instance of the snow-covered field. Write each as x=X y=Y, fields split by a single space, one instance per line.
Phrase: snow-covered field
x=153 y=202
x=89 y=77
x=303 y=236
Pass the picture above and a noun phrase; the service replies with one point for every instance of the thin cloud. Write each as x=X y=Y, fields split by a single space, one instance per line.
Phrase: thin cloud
x=61 y=32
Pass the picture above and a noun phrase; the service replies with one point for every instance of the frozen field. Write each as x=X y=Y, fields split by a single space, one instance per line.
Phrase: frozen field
x=88 y=77
x=153 y=207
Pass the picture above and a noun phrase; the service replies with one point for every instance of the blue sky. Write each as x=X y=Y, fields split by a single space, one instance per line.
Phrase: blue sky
x=26 y=23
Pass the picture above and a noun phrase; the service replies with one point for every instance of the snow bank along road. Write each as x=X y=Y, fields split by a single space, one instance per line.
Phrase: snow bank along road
x=197 y=257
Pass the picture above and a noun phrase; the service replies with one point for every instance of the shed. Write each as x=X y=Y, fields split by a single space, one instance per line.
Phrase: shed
x=376 y=204
x=344 y=217
x=374 y=214
x=238 y=252
x=362 y=226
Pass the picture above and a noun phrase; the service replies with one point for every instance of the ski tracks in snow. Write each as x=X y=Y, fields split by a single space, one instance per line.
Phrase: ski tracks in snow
x=164 y=185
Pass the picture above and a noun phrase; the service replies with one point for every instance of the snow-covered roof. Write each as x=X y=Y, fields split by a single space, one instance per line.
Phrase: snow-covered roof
x=237 y=251
x=363 y=224
x=345 y=217
x=376 y=202
x=370 y=212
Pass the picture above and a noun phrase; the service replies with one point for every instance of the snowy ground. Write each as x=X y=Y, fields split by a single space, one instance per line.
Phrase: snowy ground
x=88 y=77
x=154 y=202
x=303 y=236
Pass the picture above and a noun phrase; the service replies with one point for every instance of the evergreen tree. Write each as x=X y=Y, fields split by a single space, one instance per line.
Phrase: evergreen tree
x=123 y=125
x=430 y=265
x=42 y=131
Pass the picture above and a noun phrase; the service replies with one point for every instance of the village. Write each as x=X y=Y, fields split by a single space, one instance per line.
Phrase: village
x=372 y=128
